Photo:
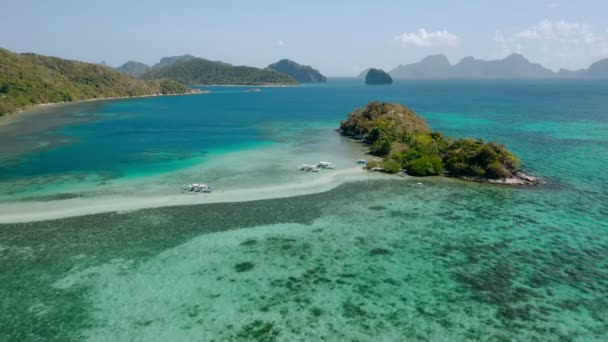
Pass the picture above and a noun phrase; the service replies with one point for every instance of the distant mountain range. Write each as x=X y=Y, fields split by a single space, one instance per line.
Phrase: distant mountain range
x=514 y=66
x=166 y=61
x=301 y=73
x=189 y=69
x=136 y=69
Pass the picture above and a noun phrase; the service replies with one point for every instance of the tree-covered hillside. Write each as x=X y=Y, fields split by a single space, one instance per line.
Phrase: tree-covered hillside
x=29 y=79
x=301 y=73
x=202 y=71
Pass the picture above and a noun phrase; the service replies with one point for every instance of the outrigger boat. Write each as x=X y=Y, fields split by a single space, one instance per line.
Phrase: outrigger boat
x=361 y=162
x=325 y=165
x=309 y=168
x=200 y=188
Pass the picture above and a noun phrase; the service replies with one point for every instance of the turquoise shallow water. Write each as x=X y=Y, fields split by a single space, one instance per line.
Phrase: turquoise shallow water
x=373 y=260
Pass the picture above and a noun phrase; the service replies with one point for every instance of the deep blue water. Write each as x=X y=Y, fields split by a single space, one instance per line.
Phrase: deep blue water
x=534 y=118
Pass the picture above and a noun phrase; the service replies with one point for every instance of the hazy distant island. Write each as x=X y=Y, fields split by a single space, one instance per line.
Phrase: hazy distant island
x=363 y=74
x=28 y=79
x=514 y=66
x=166 y=61
x=137 y=69
x=377 y=76
x=301 y=73
x=133 y=68
x=405 y=142
x=199 y=71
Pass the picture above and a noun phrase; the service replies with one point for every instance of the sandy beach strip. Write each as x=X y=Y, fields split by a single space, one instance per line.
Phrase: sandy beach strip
x=20 y=212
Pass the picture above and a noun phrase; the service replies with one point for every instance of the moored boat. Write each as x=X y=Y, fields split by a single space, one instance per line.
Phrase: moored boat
x=309 y=168
x=325 y=165
x=198 y=188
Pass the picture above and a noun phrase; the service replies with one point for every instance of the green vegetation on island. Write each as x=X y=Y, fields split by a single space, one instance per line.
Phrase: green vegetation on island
x=30 y=79
x=301 y=73
x=377 y=76
x=405 y=142
x=203 y=71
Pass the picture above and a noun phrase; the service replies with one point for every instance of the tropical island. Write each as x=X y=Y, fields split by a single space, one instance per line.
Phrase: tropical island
x=301 y=73
x=377 y=76
x=407 y=144
x=29 y=79
x=200 y=71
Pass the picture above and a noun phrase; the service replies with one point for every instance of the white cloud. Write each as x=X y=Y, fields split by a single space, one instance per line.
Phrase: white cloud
x=560 y=31
x=501 y=40
x=423 y=38
x=280 y=43
x=556 y=43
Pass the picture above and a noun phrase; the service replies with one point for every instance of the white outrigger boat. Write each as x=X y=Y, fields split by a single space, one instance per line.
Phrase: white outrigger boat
x=199 y=188
x=309 y=168
x=325 y=165
x=361 y=162
x=322 y=165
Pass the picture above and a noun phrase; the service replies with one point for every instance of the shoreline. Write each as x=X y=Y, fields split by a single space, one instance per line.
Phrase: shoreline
x=264 y=85
x=23 y=212
x=192 y=92
x=517 y=178
x=50 y=104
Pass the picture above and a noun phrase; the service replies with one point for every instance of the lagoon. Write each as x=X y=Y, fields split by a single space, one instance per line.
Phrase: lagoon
x=340 y=255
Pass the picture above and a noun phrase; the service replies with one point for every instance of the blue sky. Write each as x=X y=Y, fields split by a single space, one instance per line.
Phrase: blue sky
x=338 y=37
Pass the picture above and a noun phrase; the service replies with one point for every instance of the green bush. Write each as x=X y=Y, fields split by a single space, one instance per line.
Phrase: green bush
x=391 y=165
x=468 y=157
x=6 y=108
x=425 y=166
x=371 y=164
x=380 y=147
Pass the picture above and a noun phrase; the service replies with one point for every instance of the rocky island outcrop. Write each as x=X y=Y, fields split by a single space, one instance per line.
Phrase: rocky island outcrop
x=301 y=73
x=405 y=142
x=377 y=76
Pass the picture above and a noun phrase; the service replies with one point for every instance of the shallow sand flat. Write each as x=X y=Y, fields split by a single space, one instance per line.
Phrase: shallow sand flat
x=267 y=171
x=40 y=211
